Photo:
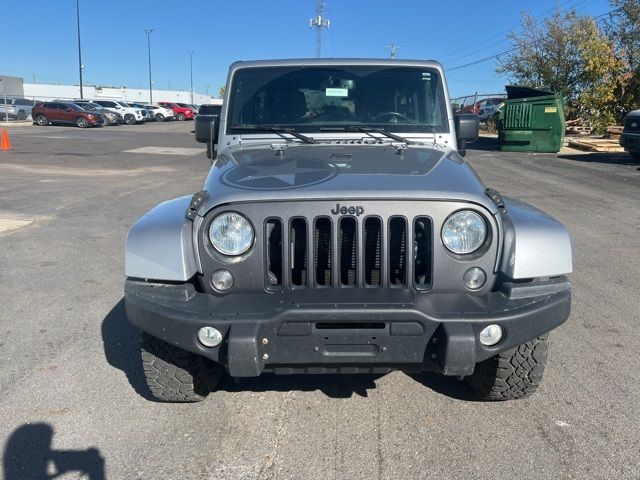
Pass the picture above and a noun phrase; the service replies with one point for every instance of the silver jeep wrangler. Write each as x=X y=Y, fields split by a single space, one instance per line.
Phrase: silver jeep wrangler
x=341 y=231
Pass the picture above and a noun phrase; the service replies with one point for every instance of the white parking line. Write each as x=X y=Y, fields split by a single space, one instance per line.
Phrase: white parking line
x=166 y=150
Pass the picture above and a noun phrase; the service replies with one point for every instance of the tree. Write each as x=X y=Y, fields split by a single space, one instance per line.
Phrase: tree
x=605 y=78
x=221 y=92
x=569 y=53
x=545 y=56
x=623 y=29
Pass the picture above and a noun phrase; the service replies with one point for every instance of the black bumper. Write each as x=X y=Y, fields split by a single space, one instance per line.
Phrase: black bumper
x=630 y=141
x=352 y=330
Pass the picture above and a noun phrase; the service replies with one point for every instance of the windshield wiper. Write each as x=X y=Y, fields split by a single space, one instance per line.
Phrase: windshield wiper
x=274 y=129
x=369 y=131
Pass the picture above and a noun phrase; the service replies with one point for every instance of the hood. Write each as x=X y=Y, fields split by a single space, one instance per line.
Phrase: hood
x=342 y=171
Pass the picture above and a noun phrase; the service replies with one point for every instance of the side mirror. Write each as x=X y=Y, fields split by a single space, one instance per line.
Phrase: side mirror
x=213 y=137
x=467 y=130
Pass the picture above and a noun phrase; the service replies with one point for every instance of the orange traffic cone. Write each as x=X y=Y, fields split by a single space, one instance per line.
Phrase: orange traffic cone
x=5 y=144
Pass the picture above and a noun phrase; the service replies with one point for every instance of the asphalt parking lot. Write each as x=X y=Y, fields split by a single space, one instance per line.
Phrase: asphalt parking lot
x=72 y=398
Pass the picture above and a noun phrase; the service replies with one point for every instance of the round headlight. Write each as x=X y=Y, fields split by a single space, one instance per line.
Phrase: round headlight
x=464 y=232
x=231 y=234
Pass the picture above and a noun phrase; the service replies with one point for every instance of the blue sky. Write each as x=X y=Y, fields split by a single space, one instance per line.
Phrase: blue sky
x=42 y=39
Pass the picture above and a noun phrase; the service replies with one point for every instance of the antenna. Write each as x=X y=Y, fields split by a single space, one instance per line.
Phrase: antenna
x=394 y=50
x=319 y=23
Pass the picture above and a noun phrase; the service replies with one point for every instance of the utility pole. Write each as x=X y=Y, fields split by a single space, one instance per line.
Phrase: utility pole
x=319 y=22
x=79 y=48
x=206 y=89
x=191 y=52
x=394 y=50
x=148 y=32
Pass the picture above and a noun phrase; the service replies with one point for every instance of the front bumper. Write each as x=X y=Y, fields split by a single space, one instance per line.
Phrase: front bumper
x=630 y=141
x=352 y=330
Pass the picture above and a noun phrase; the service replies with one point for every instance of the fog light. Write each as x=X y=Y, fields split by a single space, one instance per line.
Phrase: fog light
x=474 y=278
x=209 y=336
x=221 y=280
x=491 y=335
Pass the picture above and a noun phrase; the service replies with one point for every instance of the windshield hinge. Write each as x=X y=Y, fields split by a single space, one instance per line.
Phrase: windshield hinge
x=196 y=201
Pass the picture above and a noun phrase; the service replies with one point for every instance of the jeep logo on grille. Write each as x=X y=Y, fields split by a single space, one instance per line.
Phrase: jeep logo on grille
x=351 y=210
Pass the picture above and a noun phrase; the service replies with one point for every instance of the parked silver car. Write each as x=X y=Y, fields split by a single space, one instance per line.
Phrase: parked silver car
x=341 y=231
x=16 y=108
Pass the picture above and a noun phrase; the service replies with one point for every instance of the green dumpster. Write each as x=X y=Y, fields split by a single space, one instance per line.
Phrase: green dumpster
x=532 y=121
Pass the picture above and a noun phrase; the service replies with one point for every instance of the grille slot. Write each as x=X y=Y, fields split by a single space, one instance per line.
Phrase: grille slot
x=373 y=251
x=298 y=254
x=397 y=251
x=322 y=251
x=348 y=251
x=422 y=235
x=273 y=241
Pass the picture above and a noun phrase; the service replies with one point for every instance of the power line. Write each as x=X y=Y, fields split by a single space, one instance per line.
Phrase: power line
x=506 y=32
x=514 y=48
x=446 y=24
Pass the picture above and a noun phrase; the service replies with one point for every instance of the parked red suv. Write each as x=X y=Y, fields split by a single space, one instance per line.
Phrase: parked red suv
x=65 y=112
x=181 y=113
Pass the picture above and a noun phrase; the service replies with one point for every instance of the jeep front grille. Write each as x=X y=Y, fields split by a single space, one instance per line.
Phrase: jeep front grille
x=347 y=252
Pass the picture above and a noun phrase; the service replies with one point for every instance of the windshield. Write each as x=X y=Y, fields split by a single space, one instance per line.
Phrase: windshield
x=73 y=106
x=122 y=104
x=401 y=99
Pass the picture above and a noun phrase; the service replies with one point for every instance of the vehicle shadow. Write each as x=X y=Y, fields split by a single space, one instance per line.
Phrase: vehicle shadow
x=122 y=351
x=604 y=158
x=121 y=345
x=487 y=144
x=28 y=456
x=333 y=386
x=447 y=386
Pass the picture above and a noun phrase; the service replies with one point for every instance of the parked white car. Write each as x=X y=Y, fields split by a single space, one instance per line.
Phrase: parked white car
x=130 y=114
x=16 y=108
x=160 y=114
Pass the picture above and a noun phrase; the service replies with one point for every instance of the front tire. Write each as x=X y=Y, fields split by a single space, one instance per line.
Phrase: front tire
x=129 y=119
x=42 y=120
x=175 y=375
x=515 y=373
x=22 y=115
x=181 y=117
x=159 y=117
x=81 y=122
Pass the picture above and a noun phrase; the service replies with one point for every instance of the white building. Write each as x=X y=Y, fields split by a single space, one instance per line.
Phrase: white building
x=45 y=91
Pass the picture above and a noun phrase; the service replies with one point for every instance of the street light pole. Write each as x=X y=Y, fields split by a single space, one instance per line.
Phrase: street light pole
x=148 y=32
x=79 y=48
x=4 y=94
x=191 y=52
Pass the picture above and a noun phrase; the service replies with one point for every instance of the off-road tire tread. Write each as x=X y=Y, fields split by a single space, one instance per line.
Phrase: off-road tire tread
x=515 y=373
x=175 y=375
